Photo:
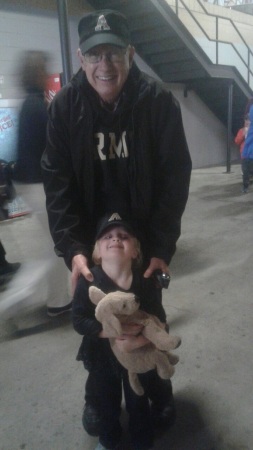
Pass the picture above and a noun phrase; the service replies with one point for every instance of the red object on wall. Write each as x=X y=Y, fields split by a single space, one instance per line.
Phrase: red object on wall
x=53 y=86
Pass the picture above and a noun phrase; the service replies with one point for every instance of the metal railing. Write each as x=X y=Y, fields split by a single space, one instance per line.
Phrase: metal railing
x=229 y=3
x=247 y=62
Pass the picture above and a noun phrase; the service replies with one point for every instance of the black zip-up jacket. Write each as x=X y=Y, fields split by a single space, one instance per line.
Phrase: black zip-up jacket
x=158 y=167
x=95 y=351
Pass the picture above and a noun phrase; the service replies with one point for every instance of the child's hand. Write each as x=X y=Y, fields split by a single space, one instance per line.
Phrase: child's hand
x=128 y=343
x=131 y=329
x=128 y=330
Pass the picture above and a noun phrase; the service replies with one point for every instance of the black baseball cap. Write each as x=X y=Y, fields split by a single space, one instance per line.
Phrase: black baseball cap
x=103 y=27
x=112 y=220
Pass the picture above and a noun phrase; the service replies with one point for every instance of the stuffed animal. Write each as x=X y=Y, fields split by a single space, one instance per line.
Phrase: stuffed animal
x=118 y=307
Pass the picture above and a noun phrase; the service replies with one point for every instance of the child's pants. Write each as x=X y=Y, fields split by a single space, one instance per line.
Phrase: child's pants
x=107 y=387
x=2 y=254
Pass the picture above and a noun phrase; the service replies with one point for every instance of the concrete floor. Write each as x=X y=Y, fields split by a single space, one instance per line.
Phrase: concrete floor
x=209 y=304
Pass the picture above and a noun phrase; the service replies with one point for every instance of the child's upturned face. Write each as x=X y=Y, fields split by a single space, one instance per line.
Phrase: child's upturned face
x=117 y=243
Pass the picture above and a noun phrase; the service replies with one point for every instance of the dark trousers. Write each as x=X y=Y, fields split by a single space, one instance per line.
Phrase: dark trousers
x=2 y=254
x=104 y=392
x=158 y=391
x=247 y=170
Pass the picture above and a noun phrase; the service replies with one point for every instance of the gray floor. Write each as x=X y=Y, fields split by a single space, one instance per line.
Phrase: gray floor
x=209 y=304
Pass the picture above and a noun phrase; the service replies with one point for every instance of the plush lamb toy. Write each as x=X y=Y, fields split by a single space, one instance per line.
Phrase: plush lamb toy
x=119 y=307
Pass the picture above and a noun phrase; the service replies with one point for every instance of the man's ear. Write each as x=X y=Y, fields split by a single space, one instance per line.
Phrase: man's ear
x=81 y=58
x=131 y=55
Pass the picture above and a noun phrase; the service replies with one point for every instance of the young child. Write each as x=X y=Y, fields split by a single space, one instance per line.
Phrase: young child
x=242 y=134
x=116 y=254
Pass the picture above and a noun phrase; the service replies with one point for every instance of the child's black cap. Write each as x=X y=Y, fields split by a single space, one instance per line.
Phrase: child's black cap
x=110 y=221
x=103 y=27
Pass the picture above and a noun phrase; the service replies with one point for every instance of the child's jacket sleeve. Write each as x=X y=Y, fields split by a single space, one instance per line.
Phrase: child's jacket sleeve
x=83 y=311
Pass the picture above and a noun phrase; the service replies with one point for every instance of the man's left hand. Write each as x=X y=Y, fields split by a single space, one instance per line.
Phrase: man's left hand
x=156 y=264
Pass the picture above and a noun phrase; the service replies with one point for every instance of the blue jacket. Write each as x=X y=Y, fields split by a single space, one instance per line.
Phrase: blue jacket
x=248 y=147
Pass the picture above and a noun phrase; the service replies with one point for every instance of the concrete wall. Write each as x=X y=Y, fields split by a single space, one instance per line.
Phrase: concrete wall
x=205 y=134
x=34 y=25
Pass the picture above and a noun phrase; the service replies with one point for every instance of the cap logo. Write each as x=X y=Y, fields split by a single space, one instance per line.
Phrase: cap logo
x=114 y=216
x=102 y=25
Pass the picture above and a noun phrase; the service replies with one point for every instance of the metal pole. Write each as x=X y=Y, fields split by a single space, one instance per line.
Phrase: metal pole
x=65 y=42
x=217 y=41
x=229 y=128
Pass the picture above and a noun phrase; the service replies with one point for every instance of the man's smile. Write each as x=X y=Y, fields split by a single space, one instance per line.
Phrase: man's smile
x=105 y=78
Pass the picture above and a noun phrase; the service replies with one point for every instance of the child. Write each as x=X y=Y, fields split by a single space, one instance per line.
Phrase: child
x=242 y=134
x=116 y=252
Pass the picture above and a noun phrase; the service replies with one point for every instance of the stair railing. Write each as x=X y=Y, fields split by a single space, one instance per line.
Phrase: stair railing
x=217 y=41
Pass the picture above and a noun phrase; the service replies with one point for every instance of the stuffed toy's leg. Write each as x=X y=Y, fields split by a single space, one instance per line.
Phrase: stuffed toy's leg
x=173 y=359
x=135 y=383
x=160 y=338
x=164 y=369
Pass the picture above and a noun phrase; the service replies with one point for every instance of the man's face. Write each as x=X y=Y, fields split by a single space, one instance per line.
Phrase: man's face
x=106 y=76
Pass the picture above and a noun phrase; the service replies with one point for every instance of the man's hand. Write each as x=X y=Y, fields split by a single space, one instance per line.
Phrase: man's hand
x=156 y=264
x=80 y=267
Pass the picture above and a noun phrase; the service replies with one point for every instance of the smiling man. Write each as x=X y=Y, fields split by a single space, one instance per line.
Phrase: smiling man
x=107 y=68
x=115 y=142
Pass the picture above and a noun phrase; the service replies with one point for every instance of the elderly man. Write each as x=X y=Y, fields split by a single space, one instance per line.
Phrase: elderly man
x=115 y=143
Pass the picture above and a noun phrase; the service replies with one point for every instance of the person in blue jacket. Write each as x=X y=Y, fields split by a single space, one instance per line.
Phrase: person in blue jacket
x=247 y=153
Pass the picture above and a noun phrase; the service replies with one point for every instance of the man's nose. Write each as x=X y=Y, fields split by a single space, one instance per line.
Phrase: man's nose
x=105 y=57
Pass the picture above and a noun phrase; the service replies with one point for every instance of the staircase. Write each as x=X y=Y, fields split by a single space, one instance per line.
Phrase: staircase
x=166 y=45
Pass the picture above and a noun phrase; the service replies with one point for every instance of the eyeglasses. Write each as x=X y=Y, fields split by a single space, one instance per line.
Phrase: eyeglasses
x=116 y=55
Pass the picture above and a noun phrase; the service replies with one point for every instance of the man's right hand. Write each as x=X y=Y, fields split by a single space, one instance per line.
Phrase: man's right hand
x=80 y=267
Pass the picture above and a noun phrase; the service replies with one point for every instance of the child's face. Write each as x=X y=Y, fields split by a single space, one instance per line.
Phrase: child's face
x=118 y=244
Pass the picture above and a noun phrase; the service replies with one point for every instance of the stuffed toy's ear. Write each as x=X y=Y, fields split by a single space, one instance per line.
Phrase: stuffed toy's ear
x=112 y=327
x=96 y=294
